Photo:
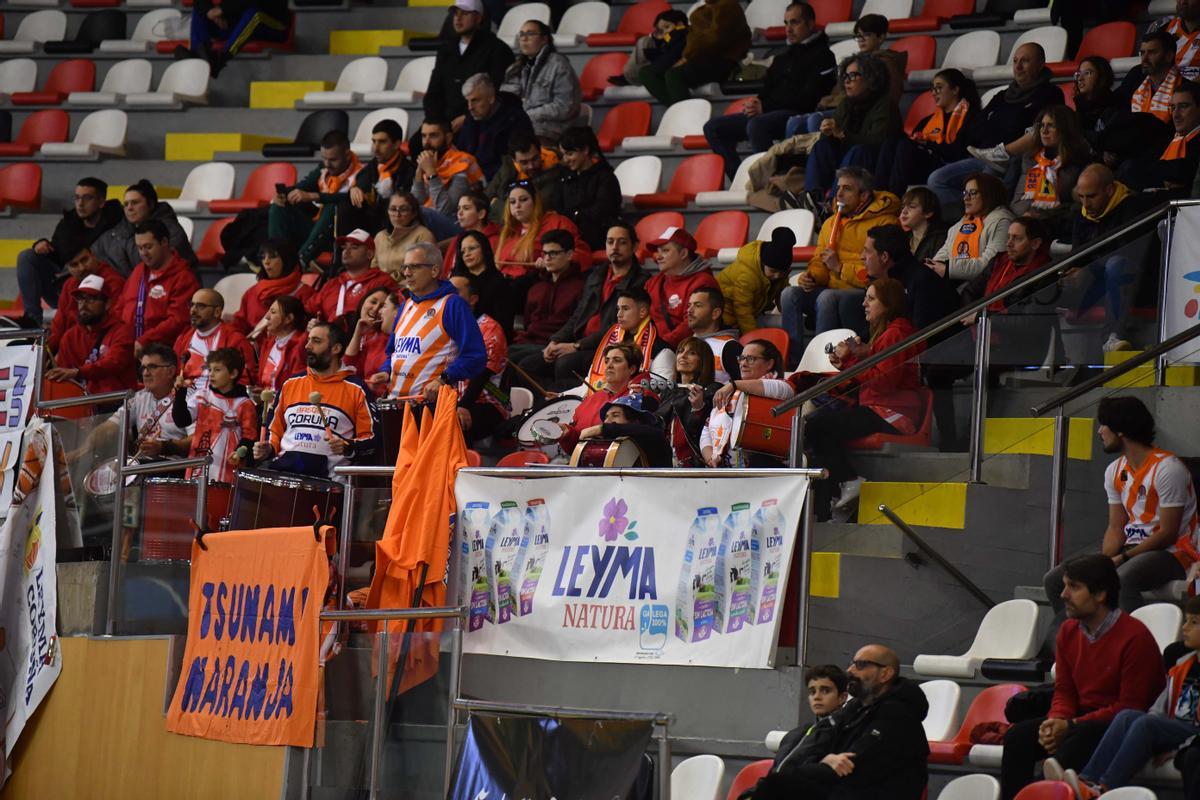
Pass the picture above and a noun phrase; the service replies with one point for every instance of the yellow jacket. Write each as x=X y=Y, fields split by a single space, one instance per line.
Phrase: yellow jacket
x=747 y=290
x=881 y=210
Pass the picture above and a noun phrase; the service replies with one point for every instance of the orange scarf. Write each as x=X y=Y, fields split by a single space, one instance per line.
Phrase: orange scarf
x=644 y=338
x=1177 y=149
x=967 y=238
x=1149 y=100
x=549 y=159
x=938 y=131
x=332 y=184
x=1041 y=181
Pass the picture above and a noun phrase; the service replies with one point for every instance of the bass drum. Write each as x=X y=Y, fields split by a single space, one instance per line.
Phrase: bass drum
x=267 y=499
x=539 y=428
x=168 y=505
x=612 y=453
x=390 y=415
x=756 y=431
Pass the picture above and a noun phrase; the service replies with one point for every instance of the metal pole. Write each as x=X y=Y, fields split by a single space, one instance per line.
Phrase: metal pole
x=1058 y=484
x=306 y=774
x=796 y=443
x=202 y=496
x=38 y=370
x=452 y=712
x=116 y=560
x=1160 y=363
x=983 y=330
x=807 y=528
x=343 y=561
x=381 y=667
x=664 y=763
x=570 y=472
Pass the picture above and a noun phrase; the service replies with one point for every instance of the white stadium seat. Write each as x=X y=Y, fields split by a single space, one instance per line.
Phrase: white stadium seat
x=1130 y=793
x=639 y=175
x=763 y=14
x=518 y=15
x=971 y=787
x=843 y=49
x=685 y=118
x=232 y=287
x=1161 y=8
x=17 y=75
x=151 y=28
x=892 y=9
x=183 y=82
x=410 y=84
x=1163 y=620
x=520 y=399
x=967 y=52
x=99 y=132
x=985 y=756
x=800 y=220
x=1032 y=16
x=361 y=144
x=360 y=76
x=816 y=360
x=580 y=20
x=1009 y=630
x=147 y=3
x=188 y=225
x=211 y=181
x=774 y=739
x=697 y=778
x=40 y=3
x=987 y=96
x=49 y=25
x=131 y=76
x=941 y=720
x=739 y=187
x=1053 y=40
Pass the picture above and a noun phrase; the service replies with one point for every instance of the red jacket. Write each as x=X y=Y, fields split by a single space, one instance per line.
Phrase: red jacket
x=67 y=316
x=1094 y=680
x=506 y=253
x=191 y=362
x=669 y=301
x=894 y=385
x=166 y=301
x=103 y=354
x=549 y=305
x=294 y=360
x=324 y=304
x=587 y=413
x=491 y=231
x=258 y=298
x=372 y=355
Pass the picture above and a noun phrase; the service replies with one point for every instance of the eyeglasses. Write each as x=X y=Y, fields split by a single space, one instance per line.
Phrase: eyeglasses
x=750 y=358
x=969 y=193
x=850 y=77
x=862 y=663
x=411 y=267
x=522 y=184
x=203 y=305
x=150 y=367
x=553 y=253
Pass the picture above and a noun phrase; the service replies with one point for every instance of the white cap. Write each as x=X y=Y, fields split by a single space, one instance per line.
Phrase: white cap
x=91 y=284
x=469 y=5
x=359 y=236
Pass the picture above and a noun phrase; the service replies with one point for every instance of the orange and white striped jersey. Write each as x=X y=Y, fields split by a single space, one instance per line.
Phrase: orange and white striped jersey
x=421 y=346
x=222 y=422
x=300 y=426
x=717 y=343
x=1187 y=46
x=1162 y=481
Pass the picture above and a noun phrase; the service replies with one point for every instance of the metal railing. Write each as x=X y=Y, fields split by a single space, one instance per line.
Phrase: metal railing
x=943 y=562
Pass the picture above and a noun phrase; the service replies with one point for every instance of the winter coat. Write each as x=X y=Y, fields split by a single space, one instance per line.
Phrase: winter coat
x=70 y=231
x=487 y=139
x=167 y=298
x=485 y=53
x=669 y=299
x=1013 y=110
x=67 y=315
x=592 y=304
x=747 y=289
x=592 y=200
x=992 y=242
x=549 y=90
x=799 y=76
x=549 y=304
x=112 y=368
x=117 y=247
x=881 y=209
x=869 y=122
x=718 y=31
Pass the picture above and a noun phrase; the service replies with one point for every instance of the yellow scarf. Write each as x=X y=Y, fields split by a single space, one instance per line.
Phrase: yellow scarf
x=1120 y=192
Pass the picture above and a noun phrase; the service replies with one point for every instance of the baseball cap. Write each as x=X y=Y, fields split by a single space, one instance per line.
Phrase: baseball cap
x=469 y=5
x=358 y=236
x=91 y=284
x=677 y=235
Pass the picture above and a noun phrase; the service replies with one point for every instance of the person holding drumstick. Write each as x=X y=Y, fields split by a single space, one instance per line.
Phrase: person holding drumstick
x=686 y=406
x=624 y=418
x=762 y=370
x=225 y=418
x=621 y=363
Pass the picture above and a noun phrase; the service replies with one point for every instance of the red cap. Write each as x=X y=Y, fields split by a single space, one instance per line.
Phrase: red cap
x=359 y=236
x=93 y=285
x=677 y=235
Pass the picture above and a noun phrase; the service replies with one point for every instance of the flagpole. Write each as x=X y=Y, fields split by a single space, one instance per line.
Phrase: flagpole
x=406 y=642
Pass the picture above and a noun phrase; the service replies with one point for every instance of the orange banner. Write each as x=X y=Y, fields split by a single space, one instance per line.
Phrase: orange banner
x=250 y=668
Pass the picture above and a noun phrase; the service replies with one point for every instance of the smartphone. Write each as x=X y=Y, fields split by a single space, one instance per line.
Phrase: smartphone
x=281 y=188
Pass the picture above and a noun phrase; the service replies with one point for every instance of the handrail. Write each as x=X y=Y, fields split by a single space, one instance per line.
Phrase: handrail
x=155 y=467
x=22 y=333
x=562 y=712
x=941 y=560
x=953 y=319
x=565 y=472
x=368 y=614
x=1111 y=373
x=85 y=400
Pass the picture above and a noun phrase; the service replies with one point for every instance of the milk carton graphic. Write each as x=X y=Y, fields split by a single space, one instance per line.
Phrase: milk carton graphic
x=766 y=551
x=473 y=527
x=535 y=544
x=503 y=543
x=734 y=566
x=696 y=603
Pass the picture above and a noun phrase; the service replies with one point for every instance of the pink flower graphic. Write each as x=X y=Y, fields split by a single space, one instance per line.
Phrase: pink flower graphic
x=614 y=522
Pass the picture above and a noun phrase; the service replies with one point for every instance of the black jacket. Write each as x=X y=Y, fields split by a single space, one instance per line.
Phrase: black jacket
x=487 y=139
x=930 y=298
x=799 y=76
x=589 y=303
x=402 y=178
x=548 y=183
x=935 y=237
x=1084 y=230
x=1010 y=112
x=649 y=438
x=495 y=296
x=485 y=53
x=676 y=404
x=70 y=232
x=592 y=200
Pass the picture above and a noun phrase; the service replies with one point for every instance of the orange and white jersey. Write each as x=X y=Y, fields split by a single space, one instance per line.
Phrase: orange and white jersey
x=717 y=343
x=300 y=425
x=421 y=345
x=1187 y=47
x=1162 y=481
x=221 y=423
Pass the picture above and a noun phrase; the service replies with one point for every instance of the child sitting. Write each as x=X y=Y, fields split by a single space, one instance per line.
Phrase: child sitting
x=225 y=416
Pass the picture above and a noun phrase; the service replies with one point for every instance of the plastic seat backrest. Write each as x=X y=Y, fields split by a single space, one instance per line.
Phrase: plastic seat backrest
x=210 y=249
x=50 y=125
x=72 y=75
x=1163 y=620
x=128 y=76
x=211 y=181
x=48 y=25
x=1003 y=623
x=651 y=226
x=685 y=118
x=747 y=777
x=695 y=174
x=627 y=119
x=800 y=220
x=892 y=9
x=972 y=49
x=697 y=778
x=363 y=75
x=261 y=183
x=523 y=458
x=776 y=336
x=742 y=177
x=971 y=787
x=922 y=106
x=189 y=77
x=843 y=49
x=639 y=18
x=314 y=127
x=1046 y=790
x=944 y=697
x=1110 y=40
x=363 y=134
x=232 y=287
x=922 y=51
x=151 y=27
x=583 y=18
x=945 y=9
x=988 y=706
x=765 y=13
x=828 y=11
x=1052 y=38
x=722 y=229
x=518 y=15
x=21 y=185
x=101 y=24
x=105 y=128
x=18 y=75
x=1130 y=793
x=414 y=76
x=639 y=175
x=594 y=77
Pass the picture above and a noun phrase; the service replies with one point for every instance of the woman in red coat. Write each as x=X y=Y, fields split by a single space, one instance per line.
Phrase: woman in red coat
x=367 y=351
x=525 y=222
x=281 y=347
x=622 y=363
x=280 y=275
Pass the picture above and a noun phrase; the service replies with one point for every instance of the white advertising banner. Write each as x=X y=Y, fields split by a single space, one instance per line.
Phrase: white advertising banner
x=30 y=659
x=604 y=568
x=1181 y=298
x=18 y=365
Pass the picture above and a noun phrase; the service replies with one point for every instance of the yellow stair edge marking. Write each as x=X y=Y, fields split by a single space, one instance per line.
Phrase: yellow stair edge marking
x=283 y=94
x=825 y=577
x=1035 y=436
x=204 y=146
x=933 y=505
x=164 y=192
x=9 y=248
x=367 y=43
x=1177 y=375
x=430 y=3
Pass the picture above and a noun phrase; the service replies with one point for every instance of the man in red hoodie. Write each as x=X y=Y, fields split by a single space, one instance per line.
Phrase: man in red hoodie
x=209 y=333
x=154 y=303
x=99 y=350
x=681 y=271
x=343 y=294
x=1105 y=661
x=552 y=298
x=81 y=263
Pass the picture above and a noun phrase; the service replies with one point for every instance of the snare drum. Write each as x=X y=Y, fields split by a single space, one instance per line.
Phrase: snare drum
x=61 y=390
x=102 y=480
x=540 y=428
x=756 y=431
x=616 y=453
x=266 y=499
x=168 y=506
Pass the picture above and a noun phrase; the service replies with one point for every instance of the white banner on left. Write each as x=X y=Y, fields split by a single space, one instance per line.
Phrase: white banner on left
x=600 y=568
x=30 y=658
x=18 y=365
x=1181 y=292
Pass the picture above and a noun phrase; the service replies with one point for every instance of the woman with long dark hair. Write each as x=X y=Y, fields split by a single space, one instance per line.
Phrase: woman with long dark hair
x=367 y=349
x=281 y=348
x=545 y=81
x=473 y=257
x=684 y=408
x=279 y=275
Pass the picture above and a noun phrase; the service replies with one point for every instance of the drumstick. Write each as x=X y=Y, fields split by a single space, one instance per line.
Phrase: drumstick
x=268 y=399
x=584 y=381
x=529 y=378
x=315 y=399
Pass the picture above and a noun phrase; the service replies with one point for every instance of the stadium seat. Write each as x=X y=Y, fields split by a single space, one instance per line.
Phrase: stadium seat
x=1110 y=40
x=921 y=437
x=988 y=706
x=206 y=182
x=523 y=458
x=638 y=20
x=764 y=14
x=1163 y=620
x=48 y=25
x=639 y=175
x=843 y=49
x=773 y=739
x=697 y=778
x=815 y=360
x=703 y=173
x=410 y=86
x=232 y=287
x=687 y=117
x=98 y=132
x=72 y=75
x=581 y=21
x=308 y=137
x=651 y=226
x=123 y=78
x=968 y=51
x=698 y=141
x=747 y=777
x=96 y=27
x=626 y=119
x=17 y=75
x=150 y=28
x=941 y=720
x=1130 y=793
x=922 y=106
x=987 y=96
x=971 y=787
x=21 y=186
x=95 y=3
x=1046 y=790
x=933 y=14
x=1052 y=38
x=826 y=11
x=474 y=459
x=800 y=220
x=892 y=9
x=593 y=79
x=189 y=227
x=361 y=143
x=735 y=195
x=1008 y=630
x=520 y=399
x=776 y=336
x=360 y=75
x=518 y=15
x=720 y=230
x=210 y=250
x=183 y=82
x=259 y=189
x=40 y=127
x=922 y=52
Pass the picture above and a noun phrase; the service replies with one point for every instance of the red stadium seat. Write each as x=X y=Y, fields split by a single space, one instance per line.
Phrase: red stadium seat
x=922 y=438
x=776 y=336
x=722 y=229
x=523 y=458
x=210 y=250
x=474 y=459
x=695 y=174
x=827 y=11
x=932 y=16
x=73 y=75
x=747 y=777
x=51 y=125
x=651 y=226
x=260 y=188
x=921 y=108
x=1110 y=40
x=638 y=20
x=596 y=72
x=626 y=119
x=21 y=186
x=921 y=51
x=988 y=706
x=737 y=106
x=1046 y=790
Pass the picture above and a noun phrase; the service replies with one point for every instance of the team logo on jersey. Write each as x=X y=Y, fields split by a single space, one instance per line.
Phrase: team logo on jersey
x=158 y=291
x=674 y=301
x=429 y=314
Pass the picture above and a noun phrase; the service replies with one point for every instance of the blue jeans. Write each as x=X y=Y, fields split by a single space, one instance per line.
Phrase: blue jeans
x=1110 y=277
x=827 y=155
x=1133 y=738
x=806 y=123
x=724 y=133
x=35 y=280
x=841 y=308
x=947 y=182
x=794 y=305
x=253 y=25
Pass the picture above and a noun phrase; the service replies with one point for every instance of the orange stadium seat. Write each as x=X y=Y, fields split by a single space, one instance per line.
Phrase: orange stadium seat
x=1110 y=40
x=827 y=11
x=21 y=186
x=73 y=75
x=695 y=174
x=594 y=78
x=638 y=20
x=523 y=458
x=722 y=229
x=932 y=16
x=210 y=250
x=776 y=336
x=922 y=51
x=1046 y=790
x=922 y=106
x=748 y=776
x=651 y=226
x=923 y=437
x=260 y=188
x=988 y=706
x=627 y=119
x=50 y=125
